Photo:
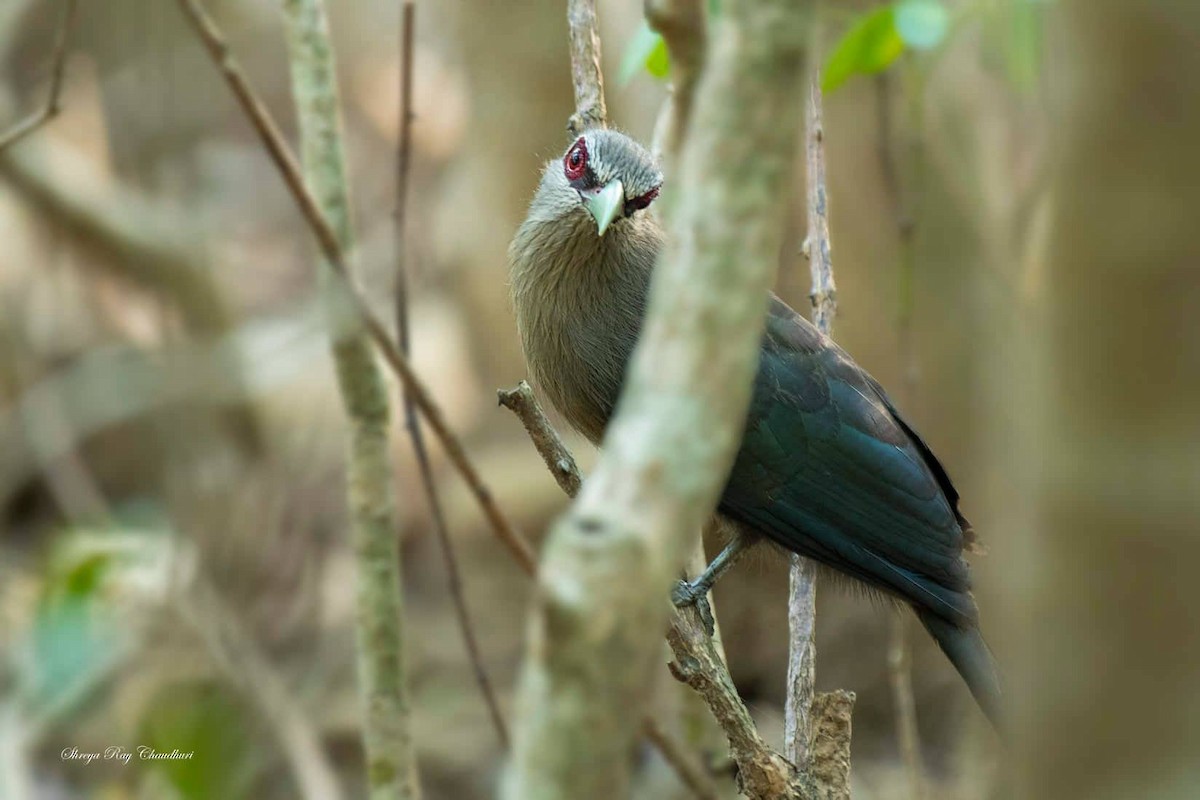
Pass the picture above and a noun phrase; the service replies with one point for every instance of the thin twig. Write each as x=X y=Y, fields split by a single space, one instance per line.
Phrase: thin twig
x=586 y=77
x=276 y=146
x=57 y=72
x=899 y=654
x=411 y=421
x=802 y=576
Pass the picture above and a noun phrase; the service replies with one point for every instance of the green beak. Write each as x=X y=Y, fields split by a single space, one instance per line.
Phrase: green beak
x=605 y=204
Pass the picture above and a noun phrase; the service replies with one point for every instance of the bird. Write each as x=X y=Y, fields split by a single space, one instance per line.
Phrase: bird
x=827 y=467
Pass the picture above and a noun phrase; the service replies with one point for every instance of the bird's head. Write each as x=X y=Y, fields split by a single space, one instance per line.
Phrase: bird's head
x=604 y=174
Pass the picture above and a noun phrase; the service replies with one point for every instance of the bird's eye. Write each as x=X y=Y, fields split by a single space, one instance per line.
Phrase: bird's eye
x=575 y=162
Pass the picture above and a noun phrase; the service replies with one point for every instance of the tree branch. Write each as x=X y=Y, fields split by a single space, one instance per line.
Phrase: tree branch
x=358 y=309
x=57 y=71
x=586 y=77
x=802 y=575
x=411 y=421
x=383 y=685
x=549 y=444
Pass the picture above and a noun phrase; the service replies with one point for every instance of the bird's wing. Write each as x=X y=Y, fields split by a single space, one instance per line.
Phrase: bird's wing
x=828 y=468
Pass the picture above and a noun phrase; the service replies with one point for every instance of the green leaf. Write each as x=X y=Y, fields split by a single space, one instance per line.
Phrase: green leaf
x=870 y=46
x=922 y=24
x=645 y=50
x=1023 y=53
x=658 y=63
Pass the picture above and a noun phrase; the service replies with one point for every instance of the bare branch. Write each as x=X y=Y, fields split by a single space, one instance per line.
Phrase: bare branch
x=586 y=77
x=279 y=152
x=763 y=773
x=411 y=421
x=802 y=575
x=549 y=444
x=57 y=71
x=818 y=248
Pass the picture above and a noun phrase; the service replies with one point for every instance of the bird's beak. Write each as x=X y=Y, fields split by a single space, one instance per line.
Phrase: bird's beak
x=605 y=204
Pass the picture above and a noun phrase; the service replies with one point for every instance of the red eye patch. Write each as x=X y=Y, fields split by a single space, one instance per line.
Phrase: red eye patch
x=575 y=161
x=638 y=203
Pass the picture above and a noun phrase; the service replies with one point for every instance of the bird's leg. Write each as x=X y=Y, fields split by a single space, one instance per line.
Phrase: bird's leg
x=695 y=592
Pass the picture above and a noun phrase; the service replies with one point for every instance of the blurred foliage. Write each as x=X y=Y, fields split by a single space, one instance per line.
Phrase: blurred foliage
x=646 y=50
x=876 y=38
x=207 y=720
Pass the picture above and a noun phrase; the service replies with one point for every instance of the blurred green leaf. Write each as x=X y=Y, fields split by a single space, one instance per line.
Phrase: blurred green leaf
x=209 y=721
x=922 y=24
x=1023 y=47
x=71 y=636
x=658 y=63
x=870 y=46
x=646 y=50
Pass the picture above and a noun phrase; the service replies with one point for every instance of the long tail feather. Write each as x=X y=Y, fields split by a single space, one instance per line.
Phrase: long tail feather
x=969 y=654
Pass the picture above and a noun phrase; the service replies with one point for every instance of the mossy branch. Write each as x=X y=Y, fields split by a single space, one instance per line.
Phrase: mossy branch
x=387 y=734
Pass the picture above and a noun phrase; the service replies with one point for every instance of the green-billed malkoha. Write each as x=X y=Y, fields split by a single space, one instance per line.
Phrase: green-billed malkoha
x=827 y=467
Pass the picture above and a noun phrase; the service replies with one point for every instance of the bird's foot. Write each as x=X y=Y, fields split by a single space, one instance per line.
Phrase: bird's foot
x=686 y=594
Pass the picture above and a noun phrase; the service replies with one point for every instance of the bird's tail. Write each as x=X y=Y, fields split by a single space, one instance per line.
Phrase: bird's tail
x=969 y=654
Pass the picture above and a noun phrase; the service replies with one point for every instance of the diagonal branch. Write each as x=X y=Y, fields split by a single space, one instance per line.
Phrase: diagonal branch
x=276 y=146
x=764 y=774
x=57 y=71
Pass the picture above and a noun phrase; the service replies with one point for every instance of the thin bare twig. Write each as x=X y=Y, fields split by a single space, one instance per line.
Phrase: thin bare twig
x=586 y=77
x=411 y=421
x=802 y=575
x=899 y=654
x=57 y=72
x=276 y=146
